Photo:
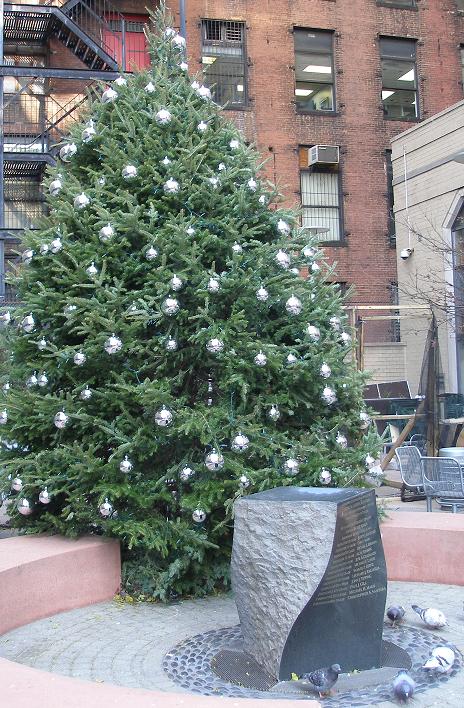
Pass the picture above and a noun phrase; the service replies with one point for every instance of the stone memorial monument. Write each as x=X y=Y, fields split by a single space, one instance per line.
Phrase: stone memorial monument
x=309 y=577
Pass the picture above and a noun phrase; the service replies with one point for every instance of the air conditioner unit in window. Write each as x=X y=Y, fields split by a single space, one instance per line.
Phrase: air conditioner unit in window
x=323 y=155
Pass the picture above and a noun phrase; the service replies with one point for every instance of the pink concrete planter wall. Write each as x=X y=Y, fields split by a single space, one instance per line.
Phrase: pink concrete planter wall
x=421 y=547
x=43 y=575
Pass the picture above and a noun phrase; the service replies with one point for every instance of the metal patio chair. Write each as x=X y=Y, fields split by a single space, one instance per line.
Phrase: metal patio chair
x=409 y=463
x=443 y=480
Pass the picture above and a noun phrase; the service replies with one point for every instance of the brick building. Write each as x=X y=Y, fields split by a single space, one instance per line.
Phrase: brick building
x=293 y=75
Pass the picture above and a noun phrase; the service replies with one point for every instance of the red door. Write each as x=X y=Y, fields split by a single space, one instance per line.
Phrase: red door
x=137 y=57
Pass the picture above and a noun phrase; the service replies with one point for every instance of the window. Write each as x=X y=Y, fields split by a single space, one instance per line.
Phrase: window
x=314 y=70
x=461 y=50
x=224 y=61
x=320 y=199
x=24 y=202
x=399 y=78
x=390 y=197
x=408 y=4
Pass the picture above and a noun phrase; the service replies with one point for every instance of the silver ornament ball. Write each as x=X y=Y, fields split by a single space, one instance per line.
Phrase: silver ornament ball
x=185 y=474
x=17 y=484
x=176 y=283
x=126 y=465
x=329 y=396
x=214 y=461
x=32 y=380
x=291 y=359
x=42 y=379
x=24 y=507
x=170 y=306
x=213 y=285
x=274 y=413
x=28 y=323
x=237 y=248
x=313 y=332
x=79 y=358
x=151 y=253
x=171 y=345
x=3 y=417
x=215 y=345
x=325 y=477
x=105 y=509
x=42 y=344
x=283 y=227
x=81 y=201
x=44 y=249
x=129 y=172
x=163 y=417
x=109 y=95
x=291 y=466
x=260 y=359
x=56 y=245
x=199 y=516
x=282 y=259
x=106 y=233
x=262 y=294
x=244 y=482
x=44 y=496
x=240 y=443
x=325 y=371
x=293 y=305
x=86 y=394
x=113 y=344
x=61 y=420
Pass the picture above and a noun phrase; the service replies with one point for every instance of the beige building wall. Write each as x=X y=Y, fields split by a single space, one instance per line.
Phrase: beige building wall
x=425 y=208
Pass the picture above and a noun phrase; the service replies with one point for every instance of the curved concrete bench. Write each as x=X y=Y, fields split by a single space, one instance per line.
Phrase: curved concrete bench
x=421 y=547
x=43 y=575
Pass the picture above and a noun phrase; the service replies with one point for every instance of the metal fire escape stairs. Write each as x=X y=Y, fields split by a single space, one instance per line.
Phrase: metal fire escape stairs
x=91 y=30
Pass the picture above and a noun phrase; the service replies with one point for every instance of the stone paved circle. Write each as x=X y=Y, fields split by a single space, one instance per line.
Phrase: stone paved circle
x=126 y=644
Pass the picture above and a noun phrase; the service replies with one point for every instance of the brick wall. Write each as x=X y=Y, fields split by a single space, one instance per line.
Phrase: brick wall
x=365 y=258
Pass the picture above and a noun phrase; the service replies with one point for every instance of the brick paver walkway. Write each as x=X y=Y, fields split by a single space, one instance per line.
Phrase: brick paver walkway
x=125 y=644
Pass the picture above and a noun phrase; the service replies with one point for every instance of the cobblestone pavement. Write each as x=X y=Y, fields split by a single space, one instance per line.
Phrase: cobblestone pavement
x=125 y=644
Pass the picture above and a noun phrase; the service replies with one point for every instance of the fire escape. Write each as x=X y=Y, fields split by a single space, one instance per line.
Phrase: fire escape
x=50 y=54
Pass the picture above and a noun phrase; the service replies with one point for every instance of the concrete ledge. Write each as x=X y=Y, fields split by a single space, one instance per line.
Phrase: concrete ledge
x=424 y=547
x=24 y=687
x=43 y=575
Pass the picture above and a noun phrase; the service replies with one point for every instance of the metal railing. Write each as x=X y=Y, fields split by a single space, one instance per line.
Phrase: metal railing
x=35 y=123
x=98 y=19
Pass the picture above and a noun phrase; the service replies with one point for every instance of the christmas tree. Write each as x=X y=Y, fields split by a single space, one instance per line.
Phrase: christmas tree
x=167 y=355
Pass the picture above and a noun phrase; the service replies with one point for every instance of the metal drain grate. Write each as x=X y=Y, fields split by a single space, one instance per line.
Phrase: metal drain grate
x=240 y=669
x=393 y=655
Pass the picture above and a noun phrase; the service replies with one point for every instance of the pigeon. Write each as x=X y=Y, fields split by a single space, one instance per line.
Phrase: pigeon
x=434 y=619
x=441 y=660
x=403 y=687
x=323 y=679
x=395 y=614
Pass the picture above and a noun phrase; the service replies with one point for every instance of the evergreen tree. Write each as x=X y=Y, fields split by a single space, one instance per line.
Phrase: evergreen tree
x=167 y=356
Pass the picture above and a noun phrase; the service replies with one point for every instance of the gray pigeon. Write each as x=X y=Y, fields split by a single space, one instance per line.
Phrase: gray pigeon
x=395 y=614
x=434 y=619
x=403 y=687
x=323 y=679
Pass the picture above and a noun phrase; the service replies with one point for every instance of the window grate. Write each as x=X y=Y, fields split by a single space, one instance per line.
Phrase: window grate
x=320 y=201
x=224 y=61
